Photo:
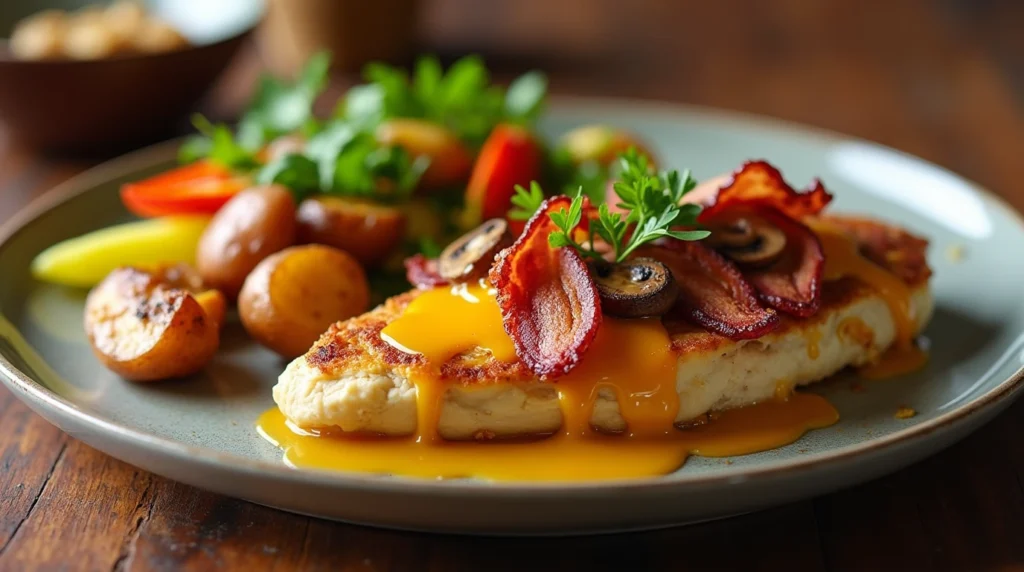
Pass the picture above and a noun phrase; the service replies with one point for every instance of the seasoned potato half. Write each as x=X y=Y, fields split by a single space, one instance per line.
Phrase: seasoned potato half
x=295 y=295
x=255 y=223
x=145 y=329
x=450 y=160
x=368 y=231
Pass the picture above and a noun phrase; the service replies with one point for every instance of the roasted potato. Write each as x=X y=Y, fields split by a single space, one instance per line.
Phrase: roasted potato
x=254 y=224
x=292 y=297
x=450 y=160
x=40 y=37
x=366 y=230
x=144 y=328
x=602 y=144
x=154 y=36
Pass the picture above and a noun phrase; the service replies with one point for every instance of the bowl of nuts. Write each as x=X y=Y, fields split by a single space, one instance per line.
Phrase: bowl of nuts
x=76 y=74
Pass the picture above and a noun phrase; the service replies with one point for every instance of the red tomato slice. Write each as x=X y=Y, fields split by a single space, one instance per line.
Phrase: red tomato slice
x=509 y=157
x=197 y=188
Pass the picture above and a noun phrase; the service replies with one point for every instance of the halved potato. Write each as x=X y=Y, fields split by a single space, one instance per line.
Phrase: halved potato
x=450 y=160
x=252 y=225
x=603 y=144
x=366 y=230
x=293 y=296
x=144 y=328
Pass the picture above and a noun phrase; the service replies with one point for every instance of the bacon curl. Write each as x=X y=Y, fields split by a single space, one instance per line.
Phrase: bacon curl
x=793 y=283
x=549 y=303
x=712 y=292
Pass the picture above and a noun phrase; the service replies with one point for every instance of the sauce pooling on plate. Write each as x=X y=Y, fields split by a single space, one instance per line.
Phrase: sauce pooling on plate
x=631 y=358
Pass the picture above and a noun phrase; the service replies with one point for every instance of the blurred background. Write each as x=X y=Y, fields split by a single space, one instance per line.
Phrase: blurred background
x=937 y=78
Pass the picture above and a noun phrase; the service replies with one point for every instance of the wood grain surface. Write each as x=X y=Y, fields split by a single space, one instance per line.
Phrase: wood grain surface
x=942 y=80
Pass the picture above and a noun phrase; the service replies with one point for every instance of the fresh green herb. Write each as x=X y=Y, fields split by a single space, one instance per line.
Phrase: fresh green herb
x=525 y=97
x=527 y=201
x=341 y=160
x=462 y=99
x=280 y=107
x=569 y=177
x=429 y=247
x=364 y=168
x=216 y=143
x=652 y=201
x=296 y=172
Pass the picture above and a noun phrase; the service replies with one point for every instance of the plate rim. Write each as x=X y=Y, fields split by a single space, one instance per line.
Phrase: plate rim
x=47 y=403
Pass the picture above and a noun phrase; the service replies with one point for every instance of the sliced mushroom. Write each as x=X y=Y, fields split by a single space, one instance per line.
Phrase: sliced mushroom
x=635 y=288
x=748 y=240
x=470 y=256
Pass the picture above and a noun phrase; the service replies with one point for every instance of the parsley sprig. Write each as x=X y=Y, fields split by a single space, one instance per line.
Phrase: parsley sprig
x=461 y=98
x=652 y=201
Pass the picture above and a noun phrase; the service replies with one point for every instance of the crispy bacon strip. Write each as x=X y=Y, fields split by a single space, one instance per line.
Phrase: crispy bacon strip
x=422 y=272
x=793 y=283
x=713 y=294
x=549 y=304
x=757 y=183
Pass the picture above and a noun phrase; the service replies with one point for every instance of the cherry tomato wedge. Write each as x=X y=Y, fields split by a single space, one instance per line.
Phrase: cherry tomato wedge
x=510 y=156
x=197 y=188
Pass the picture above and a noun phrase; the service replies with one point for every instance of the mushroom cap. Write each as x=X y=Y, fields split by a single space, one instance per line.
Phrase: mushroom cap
x=635 y=288
x=470 y=256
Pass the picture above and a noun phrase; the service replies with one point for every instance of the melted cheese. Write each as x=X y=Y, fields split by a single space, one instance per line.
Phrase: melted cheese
x=843 y=259
x=561 y=457
x=631 y=358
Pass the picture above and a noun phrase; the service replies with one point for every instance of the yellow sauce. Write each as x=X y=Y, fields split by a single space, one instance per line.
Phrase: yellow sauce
x=631 y=358
x=842 y=259
x=813 y=338
x=895 y=362
x=557 y=458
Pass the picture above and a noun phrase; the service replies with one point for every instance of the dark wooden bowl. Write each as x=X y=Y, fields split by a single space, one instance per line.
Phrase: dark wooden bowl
x=77 y=105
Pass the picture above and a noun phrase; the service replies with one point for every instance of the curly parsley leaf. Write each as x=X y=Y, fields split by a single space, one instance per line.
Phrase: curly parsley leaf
x=652 y=203
x=527 y=202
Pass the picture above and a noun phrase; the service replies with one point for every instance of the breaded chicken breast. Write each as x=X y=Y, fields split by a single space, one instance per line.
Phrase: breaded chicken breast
x=354 y=381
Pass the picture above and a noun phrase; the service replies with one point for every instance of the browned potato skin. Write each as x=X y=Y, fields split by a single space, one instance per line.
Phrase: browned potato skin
x=368 y=231
x=293 y=296
x=254 y=224
x=146 y=330
x=450 y=160
x=603 y=144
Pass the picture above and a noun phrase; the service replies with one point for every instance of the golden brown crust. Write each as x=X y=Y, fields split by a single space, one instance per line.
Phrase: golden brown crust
x=356 y=345
x=893 y=248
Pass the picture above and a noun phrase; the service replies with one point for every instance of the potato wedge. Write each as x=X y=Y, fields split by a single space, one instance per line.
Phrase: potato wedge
x=145 y=329
x=366 y=230
x=255 y=223
x=293 y=296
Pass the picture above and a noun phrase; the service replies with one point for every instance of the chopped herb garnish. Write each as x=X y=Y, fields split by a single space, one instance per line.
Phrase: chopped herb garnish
x=461 y=99
x=651 y=201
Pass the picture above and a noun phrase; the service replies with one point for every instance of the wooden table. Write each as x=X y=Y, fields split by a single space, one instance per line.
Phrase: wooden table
x=936 y=79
